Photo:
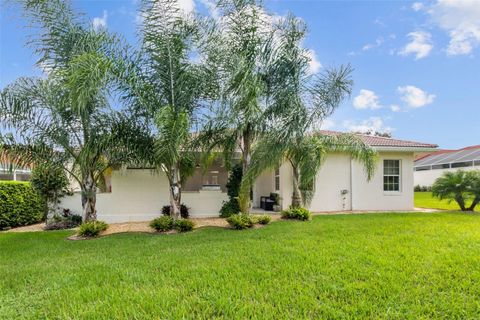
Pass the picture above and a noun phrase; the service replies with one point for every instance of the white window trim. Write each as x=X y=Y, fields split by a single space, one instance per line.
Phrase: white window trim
x=400 y=179
x=275 y=175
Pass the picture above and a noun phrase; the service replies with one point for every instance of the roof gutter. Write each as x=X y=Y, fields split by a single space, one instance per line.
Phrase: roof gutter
x=404 y=149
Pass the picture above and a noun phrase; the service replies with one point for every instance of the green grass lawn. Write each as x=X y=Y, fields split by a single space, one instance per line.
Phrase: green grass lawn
x=425 y=200
x=390 y=266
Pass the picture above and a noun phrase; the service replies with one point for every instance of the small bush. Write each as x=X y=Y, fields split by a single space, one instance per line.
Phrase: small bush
x=162 y=224
x=184 y=211
x=92 y=229
x=184 y=225
x=20 y=205
x=417 y=188
x=229 y=208
x=241 y=221
x=264 y=219
x=65 y=221
x=297 y=214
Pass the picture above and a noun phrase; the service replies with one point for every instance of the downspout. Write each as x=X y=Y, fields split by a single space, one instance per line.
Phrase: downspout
x=351 y=183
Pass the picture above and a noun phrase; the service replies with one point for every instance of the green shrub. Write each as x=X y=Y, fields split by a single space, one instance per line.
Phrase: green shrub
x=263 y=219
x=229 y=208
x=297 y=214
x=241 y=221
x=92 y=229
x=162 y=224
x=184 y=225
x=20 y=205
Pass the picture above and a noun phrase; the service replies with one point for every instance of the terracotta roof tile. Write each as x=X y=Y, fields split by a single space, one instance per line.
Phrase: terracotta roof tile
x=375 y=141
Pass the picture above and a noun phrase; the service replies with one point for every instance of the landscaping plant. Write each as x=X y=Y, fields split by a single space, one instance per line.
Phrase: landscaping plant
x=92 y=228
x=233 y=186
x=184 y=225
x=295 y=213
x=459 y=186
x=162 y=224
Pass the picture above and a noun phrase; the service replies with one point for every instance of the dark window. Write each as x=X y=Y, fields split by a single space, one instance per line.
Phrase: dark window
x=441 y=166
x=462 y=164
x=424 y=168
x=391 y=175
x=477 y=162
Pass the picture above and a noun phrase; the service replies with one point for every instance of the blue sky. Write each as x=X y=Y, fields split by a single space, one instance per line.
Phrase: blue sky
x=417 y=71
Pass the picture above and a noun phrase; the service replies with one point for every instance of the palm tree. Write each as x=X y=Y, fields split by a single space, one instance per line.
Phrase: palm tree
x=65 y=117
x=459 y=186
x=241 y=46
x=166 y=86
x=299 y=101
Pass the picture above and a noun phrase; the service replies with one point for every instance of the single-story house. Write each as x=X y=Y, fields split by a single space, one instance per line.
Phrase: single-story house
x=431 y=166
x=341 y=185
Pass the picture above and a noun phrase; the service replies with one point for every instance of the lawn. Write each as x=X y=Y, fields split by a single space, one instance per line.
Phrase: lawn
x=426 y=200
x=390 y=266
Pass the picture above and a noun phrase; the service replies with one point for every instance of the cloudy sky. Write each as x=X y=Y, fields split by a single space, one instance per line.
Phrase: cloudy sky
x=417 y=71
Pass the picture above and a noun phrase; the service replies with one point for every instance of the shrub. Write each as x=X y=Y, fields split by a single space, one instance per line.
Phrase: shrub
x=162 y=224
x=232 y=206
x=92 y=229
x=460 y=186
x=417 y=188
x=184 y=211
x=297 y=214
x=241 y=221
x=184 y=225
x=51 y=182
x=65 y=221
x=264 y=219
x=229 y=208
x=20 y=205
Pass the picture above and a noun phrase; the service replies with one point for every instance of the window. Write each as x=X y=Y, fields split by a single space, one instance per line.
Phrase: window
x=441 y=166
x=391 y=175
x=277 y=179
x=462 y=164
x=423 y=168
x=477 y=163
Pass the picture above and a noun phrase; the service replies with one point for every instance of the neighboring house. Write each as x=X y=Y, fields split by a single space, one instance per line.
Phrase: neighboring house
x=431 y=166
x=11 y=172
x=341 y=185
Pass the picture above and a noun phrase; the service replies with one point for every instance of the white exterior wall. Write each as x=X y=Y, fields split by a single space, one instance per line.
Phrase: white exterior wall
x=339 y=173
x=264 y=184
x=139 y=195
x=370 y=195
x=428 y=177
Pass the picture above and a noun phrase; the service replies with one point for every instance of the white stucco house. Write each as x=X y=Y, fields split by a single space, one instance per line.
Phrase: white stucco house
x=341 y=185
x=431 y=166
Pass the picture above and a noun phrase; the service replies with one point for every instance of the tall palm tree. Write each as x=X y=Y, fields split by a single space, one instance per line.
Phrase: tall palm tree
x=300 y=101
x=65 y=117
x=166 y=86
x=242 y=48
x=459 y=186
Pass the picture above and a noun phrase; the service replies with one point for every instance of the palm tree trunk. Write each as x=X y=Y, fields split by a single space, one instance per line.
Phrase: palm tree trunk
x=297 y=195
x=474 y=204
x=175 y=192
x=461 y=202
x=244 y=196
x=89 y=199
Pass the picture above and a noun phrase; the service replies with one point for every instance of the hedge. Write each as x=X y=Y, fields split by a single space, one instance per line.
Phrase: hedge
x=20 y=205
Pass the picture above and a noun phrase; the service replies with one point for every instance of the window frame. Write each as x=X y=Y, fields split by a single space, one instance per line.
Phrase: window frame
x=276 y=179
x=399 y=175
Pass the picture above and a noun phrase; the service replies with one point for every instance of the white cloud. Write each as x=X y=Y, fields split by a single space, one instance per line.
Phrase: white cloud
x=373 y=124
x=420 y=45
x=367 y=99
x=187 y=6
x=395 y=108
x=461 y=19
x=415 y=97
x=100 y=22
x=378 y=42
x=314 y=65
x=417 y=6
x=328 y=124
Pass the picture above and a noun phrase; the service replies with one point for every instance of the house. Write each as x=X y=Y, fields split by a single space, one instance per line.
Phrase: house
x=341 y=185
x=431 y=166
x=11 y=172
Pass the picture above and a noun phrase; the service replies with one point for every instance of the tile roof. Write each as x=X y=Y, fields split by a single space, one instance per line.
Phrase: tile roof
x=375 y=141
